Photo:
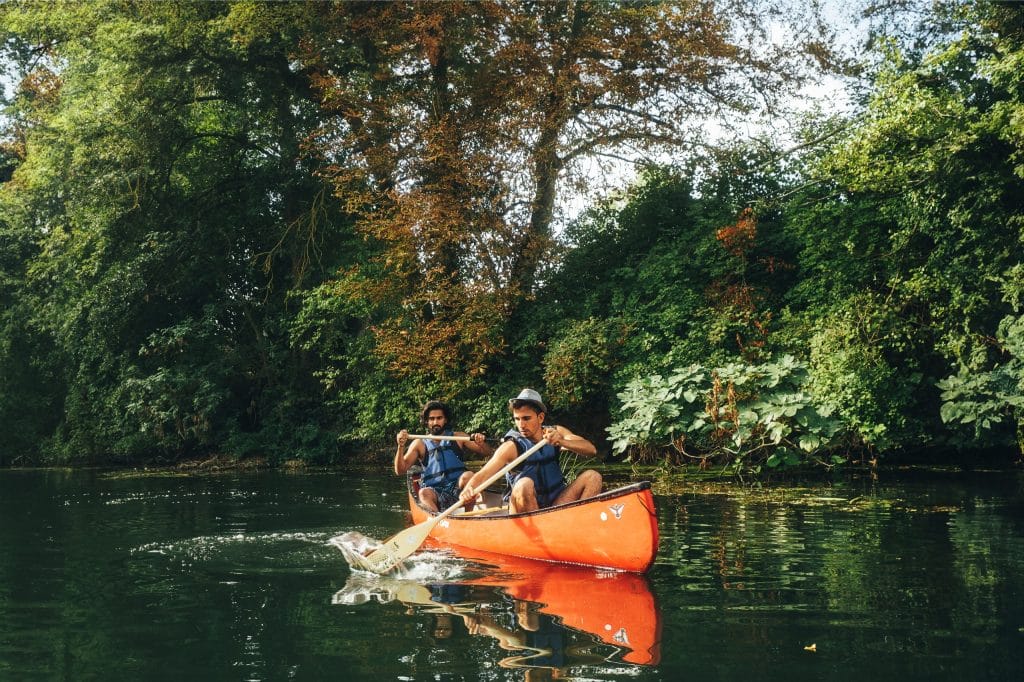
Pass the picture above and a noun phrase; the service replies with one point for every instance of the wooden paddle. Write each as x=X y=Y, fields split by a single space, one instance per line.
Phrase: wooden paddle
x=442 y=437
x=398 y=547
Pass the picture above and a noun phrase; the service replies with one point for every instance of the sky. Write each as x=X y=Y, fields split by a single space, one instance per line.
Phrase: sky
x=829 y=94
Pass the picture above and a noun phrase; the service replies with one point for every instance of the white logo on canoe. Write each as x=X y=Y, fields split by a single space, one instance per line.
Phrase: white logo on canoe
x=617 y=510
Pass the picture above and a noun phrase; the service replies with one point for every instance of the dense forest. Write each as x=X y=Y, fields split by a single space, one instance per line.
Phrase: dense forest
x=275 y=229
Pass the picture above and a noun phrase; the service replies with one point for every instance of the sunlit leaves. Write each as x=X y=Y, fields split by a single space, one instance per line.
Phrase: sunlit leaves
x=984 y=399
x=739 y=412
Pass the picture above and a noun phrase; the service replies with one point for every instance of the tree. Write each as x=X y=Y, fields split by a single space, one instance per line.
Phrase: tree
x=905 y=231
x=164 y=187
x=454 y=126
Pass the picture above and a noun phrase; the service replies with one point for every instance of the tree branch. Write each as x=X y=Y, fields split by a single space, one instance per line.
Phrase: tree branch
x=633 y=112
x=611 y=140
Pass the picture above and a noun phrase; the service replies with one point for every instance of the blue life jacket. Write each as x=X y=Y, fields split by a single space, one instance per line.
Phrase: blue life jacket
x=443 y=463
x=542 y=466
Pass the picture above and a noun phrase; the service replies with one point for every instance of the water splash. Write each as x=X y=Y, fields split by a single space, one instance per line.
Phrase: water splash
x=353 y=545
x=411 y=585
x=424 y=565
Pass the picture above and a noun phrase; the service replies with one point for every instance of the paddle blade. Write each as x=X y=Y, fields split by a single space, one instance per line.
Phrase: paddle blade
x=395 y=550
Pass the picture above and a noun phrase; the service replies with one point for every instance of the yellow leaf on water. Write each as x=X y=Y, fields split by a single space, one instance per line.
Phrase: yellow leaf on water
x=811 y=647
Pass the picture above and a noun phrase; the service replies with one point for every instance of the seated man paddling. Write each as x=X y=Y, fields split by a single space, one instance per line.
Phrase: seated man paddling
x=539 y=481
x=444 y=472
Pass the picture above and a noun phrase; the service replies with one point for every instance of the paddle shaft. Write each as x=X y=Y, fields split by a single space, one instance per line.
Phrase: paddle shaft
x=442 y=437
x=494 y=477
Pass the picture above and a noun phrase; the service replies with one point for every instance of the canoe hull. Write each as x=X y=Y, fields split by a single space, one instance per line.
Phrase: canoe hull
x=617 y=529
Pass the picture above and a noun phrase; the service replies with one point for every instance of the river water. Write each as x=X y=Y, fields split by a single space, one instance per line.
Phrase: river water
x=237 y=576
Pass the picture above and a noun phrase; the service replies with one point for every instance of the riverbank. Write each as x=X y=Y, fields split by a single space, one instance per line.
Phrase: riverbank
x=852 y=484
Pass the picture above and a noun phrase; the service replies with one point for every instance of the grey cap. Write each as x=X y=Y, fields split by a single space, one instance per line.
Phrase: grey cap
x=531 y=396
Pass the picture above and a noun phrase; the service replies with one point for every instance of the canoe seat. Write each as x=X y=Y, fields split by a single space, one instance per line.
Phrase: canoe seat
x=485 y=511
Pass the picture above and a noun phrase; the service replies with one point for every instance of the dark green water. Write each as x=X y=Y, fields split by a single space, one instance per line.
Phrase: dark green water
x=234 y=577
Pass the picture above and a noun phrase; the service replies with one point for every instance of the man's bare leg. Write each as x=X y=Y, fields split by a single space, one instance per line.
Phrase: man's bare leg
x=524 y=497
x=428 y=498
x=587 y=484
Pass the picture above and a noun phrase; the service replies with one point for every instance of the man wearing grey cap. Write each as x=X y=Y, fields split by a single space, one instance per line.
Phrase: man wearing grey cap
x=539 y=481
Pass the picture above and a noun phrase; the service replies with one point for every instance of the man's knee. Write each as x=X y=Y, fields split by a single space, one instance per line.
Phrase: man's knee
x=428 y=496
x=589 y=483
x=524 y=495
x=524 y=487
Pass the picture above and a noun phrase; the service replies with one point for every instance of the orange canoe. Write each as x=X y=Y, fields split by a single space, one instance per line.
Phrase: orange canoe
x=617 y=529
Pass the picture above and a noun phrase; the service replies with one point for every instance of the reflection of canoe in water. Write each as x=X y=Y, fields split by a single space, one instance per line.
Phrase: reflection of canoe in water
x=617 y=529
x=611 y=607
x=616 y=608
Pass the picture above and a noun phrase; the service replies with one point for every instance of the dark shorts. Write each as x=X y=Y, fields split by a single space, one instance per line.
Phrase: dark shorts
x=449 y=593
x=549 y=637
x=543 y=499
x=447 y=494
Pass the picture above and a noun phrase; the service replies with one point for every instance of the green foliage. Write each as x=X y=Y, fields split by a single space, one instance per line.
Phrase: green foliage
x=29 y=390
x=641 y=262
x=652 y=260
x=578 y=361
x=177 y=275
x=904 y=239
x=740 y=414
x=985 y=399
x=931 y=163
x=862 y=366
x=171 y=210
x=178 y=404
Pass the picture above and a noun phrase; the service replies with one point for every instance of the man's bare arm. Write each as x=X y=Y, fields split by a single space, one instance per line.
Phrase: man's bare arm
x=411 y=454
x=478 y=444
x=567 y=440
